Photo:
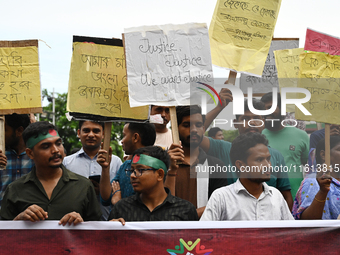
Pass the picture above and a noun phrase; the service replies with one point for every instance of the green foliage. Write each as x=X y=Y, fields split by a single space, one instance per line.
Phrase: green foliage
x=68 y=129
x=230 y=135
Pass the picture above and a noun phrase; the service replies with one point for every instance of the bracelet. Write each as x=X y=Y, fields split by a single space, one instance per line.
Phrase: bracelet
x=172 y=174
x=115 y=192
x=320 y=201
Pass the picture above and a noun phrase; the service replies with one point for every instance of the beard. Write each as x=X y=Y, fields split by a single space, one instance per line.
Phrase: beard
x=186 y=141
x=274 y=125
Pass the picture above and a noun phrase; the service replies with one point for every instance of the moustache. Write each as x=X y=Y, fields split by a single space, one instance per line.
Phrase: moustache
x=250 y=129
x=55 y=157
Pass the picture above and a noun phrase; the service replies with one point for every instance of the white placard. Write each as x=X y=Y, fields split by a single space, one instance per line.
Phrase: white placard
x=164 y=63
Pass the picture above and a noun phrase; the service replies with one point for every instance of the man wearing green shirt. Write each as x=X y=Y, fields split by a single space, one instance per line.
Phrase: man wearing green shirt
x=293 y=143
x=49 y=191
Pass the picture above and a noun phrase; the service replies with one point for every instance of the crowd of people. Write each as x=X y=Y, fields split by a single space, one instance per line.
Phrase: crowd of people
x=269 y=172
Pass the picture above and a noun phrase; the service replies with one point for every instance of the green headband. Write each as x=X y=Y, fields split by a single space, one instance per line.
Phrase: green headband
x=34 y=140
x=149 y=161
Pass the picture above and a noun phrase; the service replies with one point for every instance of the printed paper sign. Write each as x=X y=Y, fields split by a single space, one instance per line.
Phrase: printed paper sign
x=165 y=62
x=241 y=33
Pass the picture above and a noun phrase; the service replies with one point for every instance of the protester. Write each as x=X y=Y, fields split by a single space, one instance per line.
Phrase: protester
x=15 y=161
x=197 y=176
x=249 y=123
x=216 y=133
x=152 y=201
x=315 y=137
x=249 y=198
x=319 y=194
x=84 y=162
x=135 y=136
x=49 y=191
x=292 y=142
x=163 y=134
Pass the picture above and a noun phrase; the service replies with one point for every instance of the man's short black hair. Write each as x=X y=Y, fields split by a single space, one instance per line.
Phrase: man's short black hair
x=184 y=111
x=81 y=122
x=36 y=128
x=146 y=131
x=241 y=145
x=213 y=131
x=156 y=152
x=17 y=120
x=258 y=105
x=334 y=140
x=268 y=97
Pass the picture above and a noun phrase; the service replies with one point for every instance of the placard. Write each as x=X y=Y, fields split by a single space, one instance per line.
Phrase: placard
x=19 y=78
x=269 y=78
x=320 y=42
x=320 y=74
x=164 y=63
x=241 y=33
x=98 y=84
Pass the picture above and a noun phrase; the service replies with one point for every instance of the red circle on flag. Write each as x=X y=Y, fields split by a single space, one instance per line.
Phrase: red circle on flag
x=52 y=132
x=135 y=159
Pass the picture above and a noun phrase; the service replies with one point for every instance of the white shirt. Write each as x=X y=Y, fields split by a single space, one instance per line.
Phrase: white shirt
x=164 y=139
x=80 y=163
x=234 y=202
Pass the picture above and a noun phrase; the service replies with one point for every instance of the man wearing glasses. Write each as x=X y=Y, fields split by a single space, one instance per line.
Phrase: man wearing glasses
x=152 y=201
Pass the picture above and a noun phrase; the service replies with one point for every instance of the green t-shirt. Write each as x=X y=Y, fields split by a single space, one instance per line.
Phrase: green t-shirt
x=293 y=143
x=72 y=193
x=278 y=179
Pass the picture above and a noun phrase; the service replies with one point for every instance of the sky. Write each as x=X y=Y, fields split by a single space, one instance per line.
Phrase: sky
x=54 y=23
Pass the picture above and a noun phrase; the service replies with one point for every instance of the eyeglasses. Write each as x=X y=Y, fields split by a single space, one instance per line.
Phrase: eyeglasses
x=138 y=171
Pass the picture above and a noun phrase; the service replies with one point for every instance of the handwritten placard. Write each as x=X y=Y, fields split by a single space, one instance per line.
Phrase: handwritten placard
x=19 y=80
x=241 y=33
x=319 y=42
x=165 y=62
x=320 y=74
x=269 y=78
x=98 y=84
x=287 y=65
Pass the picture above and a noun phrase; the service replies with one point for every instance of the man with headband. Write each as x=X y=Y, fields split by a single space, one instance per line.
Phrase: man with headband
x=49 y=191
x=152 y=201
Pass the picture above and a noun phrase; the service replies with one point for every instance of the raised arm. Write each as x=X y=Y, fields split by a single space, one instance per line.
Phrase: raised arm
x=105 y=182
x=226 y=97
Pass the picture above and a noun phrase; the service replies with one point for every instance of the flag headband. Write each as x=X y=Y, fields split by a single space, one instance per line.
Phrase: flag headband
x=149 y=161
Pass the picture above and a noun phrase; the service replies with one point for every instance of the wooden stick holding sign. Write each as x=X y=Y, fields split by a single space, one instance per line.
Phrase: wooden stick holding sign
x=107 y=137
x=2 y=137
x=231 y=78
x=174 y=124
x=327 y=145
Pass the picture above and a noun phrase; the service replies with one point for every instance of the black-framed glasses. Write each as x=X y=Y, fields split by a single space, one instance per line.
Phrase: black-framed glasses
x=138 y=171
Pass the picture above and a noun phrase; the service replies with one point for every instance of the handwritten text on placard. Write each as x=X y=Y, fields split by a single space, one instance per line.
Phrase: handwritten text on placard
x=19 y=78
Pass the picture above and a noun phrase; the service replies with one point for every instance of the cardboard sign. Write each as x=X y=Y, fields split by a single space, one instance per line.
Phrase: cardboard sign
x=241 y=33
x=165 y=62
x=320 y=74
x=98 y=84
x=287 y=66
x=320 y=42
x=19 y=80
x=269 y=78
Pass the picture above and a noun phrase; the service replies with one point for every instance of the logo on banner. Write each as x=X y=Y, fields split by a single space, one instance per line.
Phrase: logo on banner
x=190 y=246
